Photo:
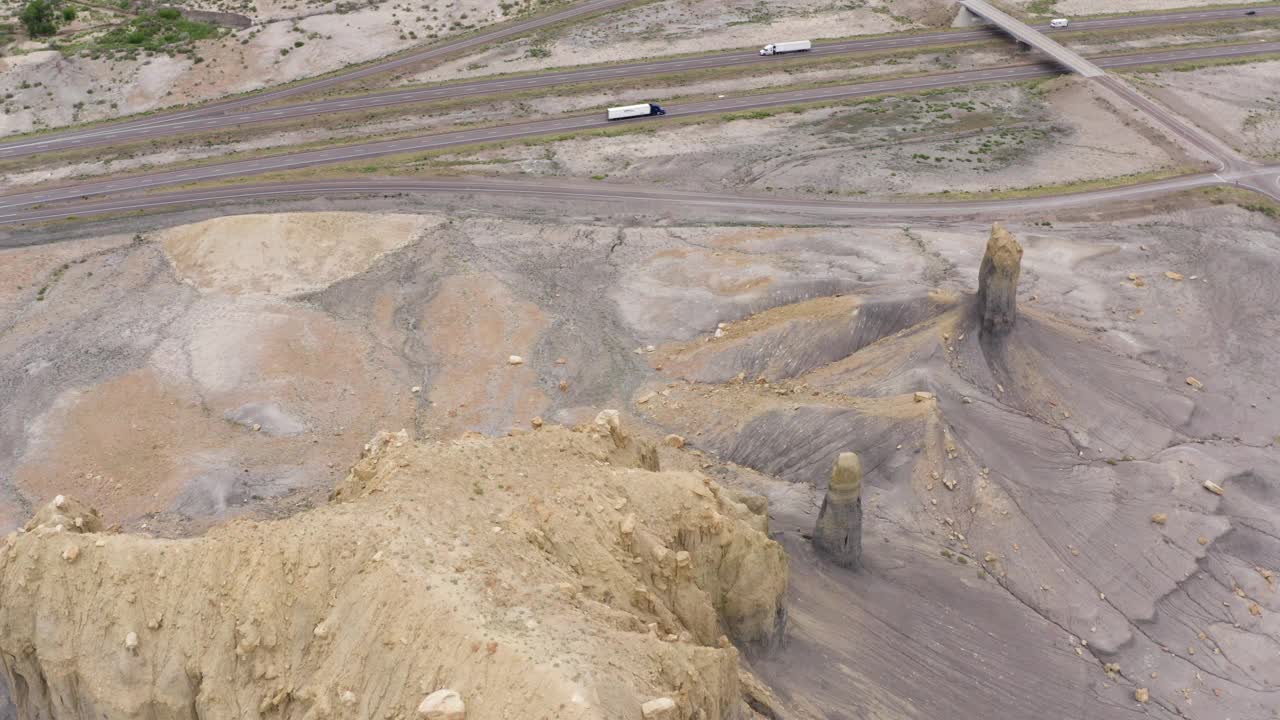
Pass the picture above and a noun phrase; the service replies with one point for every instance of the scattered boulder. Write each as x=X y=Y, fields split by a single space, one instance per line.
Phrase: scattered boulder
x=1213 y=487
x=515 y=360
x=1175 y=276
x=66 y=513
x=998 y=282
x=443 y=705
x=674 y=441
x=838 y=534
x=1142 y=695
x=1160 y=518
x=663 y=708
x=536 y=422
x=611 y=422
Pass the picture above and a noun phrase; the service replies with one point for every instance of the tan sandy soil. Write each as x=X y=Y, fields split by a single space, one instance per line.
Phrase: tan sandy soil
x=670 y=27
x=10 y=516
x=26 y=270
x=737 y=270
x=285 y=254
x=248 y=392
x=989 y=138
x=479 y=386
x=1238 y=103
x=106 y=460
x=206 y=394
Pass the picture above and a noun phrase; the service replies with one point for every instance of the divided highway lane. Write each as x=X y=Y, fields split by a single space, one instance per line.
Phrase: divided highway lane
x=577 y=191
x=11 y=204
x=218 y=116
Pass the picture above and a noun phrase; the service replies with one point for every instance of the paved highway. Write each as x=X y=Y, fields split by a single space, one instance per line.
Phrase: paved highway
x=1265 y=179
x=223 y=115
x=10 y=204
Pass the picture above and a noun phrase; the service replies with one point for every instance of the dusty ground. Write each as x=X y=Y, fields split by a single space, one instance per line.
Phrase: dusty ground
x=285 y=254
x=1078 y=430
x=214 y=356
x=1238 y=103
x=983 y=139
x=45 y=88
x=670 y=27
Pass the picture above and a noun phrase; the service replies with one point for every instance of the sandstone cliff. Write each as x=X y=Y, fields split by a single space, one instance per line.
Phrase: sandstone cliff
x=539 y=576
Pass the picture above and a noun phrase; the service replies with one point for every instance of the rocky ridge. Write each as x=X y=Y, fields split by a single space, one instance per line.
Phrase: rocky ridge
x=539 y=576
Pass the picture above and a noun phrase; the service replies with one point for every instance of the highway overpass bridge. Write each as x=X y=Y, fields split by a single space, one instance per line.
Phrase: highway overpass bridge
x=1030 y=36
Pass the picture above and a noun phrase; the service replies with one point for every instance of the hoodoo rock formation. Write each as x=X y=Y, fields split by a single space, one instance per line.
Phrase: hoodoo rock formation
x=838 y=534
x=438 y=577
x=997 y=300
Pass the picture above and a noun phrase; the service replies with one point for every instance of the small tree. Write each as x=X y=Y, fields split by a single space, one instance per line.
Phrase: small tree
x=38 y=18
x=68 y=14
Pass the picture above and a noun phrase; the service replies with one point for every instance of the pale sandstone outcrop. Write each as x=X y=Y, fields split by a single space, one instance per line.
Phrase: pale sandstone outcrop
x=538 y=576
x=838 y=534
x=998 y=282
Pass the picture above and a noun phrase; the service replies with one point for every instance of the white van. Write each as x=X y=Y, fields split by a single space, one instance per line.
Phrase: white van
x=1058 y=23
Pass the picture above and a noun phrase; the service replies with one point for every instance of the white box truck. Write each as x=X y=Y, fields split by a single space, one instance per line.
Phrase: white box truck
x=786 y=47
x=631 y=111
x=1058 y=23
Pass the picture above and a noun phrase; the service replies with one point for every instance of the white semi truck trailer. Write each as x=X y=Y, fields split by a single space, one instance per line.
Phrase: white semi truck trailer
x=786 y=47
x=631 y=111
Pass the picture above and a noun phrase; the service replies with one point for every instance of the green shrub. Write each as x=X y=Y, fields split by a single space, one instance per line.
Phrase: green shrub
x=37 y=16
x=163 y=31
